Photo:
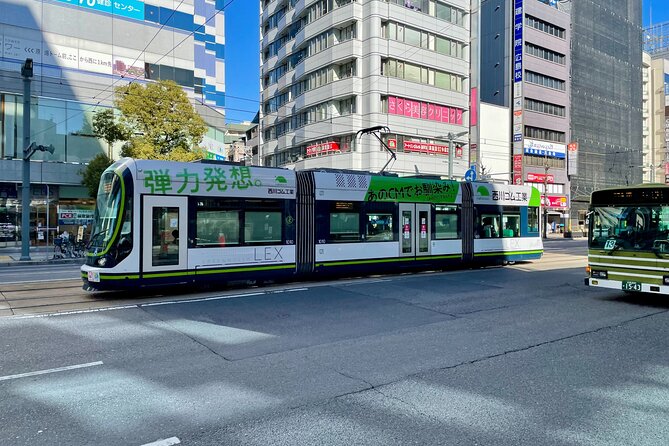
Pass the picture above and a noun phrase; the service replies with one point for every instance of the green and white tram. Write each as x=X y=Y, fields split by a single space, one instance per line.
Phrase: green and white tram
x=628 y=239
x=163 y=223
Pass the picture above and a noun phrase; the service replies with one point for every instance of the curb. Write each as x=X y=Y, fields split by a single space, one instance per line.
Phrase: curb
x=43 y=262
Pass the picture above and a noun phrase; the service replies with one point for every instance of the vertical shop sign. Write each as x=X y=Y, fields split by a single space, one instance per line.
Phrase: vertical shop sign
x=572 y=158
x=517 y=129
x=518 y=41
x=518 y=170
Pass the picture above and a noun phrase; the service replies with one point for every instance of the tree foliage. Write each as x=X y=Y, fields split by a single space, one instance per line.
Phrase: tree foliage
x=107 y=128
x=92 y=173
x=157 y=121
x=162 y=121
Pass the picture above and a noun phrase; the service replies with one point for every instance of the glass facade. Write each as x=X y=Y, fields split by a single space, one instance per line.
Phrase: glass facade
x=606 y=96
x=67 y=125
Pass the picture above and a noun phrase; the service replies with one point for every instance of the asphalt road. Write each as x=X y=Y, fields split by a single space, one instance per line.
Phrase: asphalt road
x=39 y=273
x=501 y=356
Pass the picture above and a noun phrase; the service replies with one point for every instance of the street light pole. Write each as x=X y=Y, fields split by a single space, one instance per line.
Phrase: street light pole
x=27 y=74
x=451 y=136
x=29 y=150
x=451 y=140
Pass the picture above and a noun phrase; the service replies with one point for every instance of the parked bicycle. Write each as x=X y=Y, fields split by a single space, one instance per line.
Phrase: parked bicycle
x=64 y=248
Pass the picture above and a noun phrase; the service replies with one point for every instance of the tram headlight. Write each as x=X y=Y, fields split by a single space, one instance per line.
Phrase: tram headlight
x=665 y=280
x=102 y=261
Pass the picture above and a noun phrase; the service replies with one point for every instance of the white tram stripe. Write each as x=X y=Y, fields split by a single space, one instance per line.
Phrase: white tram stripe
x=166 y=442
x=44 y=372
x=620 y=265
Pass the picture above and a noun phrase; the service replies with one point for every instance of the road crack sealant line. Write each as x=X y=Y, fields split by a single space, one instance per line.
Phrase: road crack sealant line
x=173 y=328
x=378 y=387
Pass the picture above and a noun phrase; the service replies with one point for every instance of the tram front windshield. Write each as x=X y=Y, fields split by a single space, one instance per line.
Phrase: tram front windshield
x=107 y=210
x=630 y=228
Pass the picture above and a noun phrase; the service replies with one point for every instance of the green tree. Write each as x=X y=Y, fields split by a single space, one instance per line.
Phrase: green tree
x=161 y=120
x=107 y=128
x=92 y=173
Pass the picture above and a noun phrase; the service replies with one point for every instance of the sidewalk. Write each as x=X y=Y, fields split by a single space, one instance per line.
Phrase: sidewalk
x=11 y=255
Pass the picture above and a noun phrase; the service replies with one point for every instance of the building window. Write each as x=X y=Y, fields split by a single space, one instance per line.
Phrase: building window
x=545 y=134
x=545 y=27
x=419 y=74
x=418 y=38
x=435 y=9
x=542 y=161
x=544 y=107
x=546 y=54
x=545 y=81
x=347 y=106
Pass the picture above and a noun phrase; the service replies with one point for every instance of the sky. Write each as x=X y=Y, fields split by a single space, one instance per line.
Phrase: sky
x=660 y=9
x=242 y=60
x=242 y=54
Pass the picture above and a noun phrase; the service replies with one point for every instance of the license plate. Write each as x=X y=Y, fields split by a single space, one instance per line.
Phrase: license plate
x=93 y=276
x=631 y=286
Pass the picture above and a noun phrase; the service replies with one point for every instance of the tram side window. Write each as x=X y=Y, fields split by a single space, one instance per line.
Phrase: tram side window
x=262 y=227
x=217 y=228
x=344 y=222
x=446 y=223
x=379 y=227
x=533 y=219
x=489 y=226
x=511 y=223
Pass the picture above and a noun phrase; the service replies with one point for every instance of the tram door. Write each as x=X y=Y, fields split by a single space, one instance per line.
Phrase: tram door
x=164 y=233
x=415 y=230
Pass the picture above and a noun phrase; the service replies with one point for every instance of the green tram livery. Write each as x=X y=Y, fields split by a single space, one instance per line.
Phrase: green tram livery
x=160 y=223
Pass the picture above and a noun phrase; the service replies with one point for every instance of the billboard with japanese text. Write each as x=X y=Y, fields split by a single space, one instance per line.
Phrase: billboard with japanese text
x=132 y=9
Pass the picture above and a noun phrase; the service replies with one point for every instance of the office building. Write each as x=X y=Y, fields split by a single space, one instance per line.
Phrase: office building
x=81 y=51
x=525 y=87
x=606 y=98
x=332 y=67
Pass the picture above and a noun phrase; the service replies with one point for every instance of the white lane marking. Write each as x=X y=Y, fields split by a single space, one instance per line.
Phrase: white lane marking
x=57 y=369
x=361 y=282
x=166 y=442
x=45 y=280
x=203 y=299
x=66 y=313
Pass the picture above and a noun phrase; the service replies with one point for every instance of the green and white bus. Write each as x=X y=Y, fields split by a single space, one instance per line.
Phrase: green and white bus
x=628 y=239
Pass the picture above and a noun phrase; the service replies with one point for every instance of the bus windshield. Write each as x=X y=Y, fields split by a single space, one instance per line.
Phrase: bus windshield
x=629 y=228
x=107 y=210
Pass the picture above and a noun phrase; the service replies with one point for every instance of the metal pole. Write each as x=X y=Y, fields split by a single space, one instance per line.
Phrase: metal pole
x=545 y=194
x=450 y=155
x=47 y=222
x=25 y=187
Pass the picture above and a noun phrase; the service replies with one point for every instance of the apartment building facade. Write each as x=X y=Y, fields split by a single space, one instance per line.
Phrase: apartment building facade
x=330 y=68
